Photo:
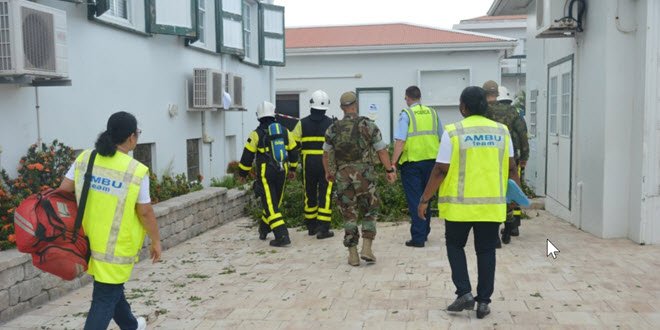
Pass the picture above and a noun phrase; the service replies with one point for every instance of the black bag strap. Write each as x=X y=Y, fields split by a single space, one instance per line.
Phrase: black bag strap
x=83 y=195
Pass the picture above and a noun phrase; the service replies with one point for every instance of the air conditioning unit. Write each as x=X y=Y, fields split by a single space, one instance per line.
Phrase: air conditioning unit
x=552 y=20
x=32 y=40
x=235 y=89
x=207 y=89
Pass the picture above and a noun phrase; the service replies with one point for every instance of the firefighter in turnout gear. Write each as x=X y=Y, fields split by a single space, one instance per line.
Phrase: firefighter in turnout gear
x=273 y=150
x=310 y=135
x=501 y=111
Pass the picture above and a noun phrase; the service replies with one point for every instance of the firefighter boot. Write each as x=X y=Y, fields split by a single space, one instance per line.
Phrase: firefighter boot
x=324 y=231
x=312 y=226
x=264 y=229
x=353 y=258
x=281 y=237
x=366 y=253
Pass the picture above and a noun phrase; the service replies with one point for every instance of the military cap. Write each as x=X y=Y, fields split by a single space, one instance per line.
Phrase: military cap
x=491 y=87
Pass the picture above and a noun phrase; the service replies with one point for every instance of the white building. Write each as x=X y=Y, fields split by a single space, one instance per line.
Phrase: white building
x=141 y=59
x=511 y=26
x=379 y=62
x=593 y=111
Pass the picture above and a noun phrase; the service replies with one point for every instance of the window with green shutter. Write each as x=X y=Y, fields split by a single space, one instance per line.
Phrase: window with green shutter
x=229 y=27
x=177 y=17
x=271 y=35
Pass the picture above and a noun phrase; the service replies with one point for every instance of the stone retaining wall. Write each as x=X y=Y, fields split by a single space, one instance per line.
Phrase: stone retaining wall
x=23 y=287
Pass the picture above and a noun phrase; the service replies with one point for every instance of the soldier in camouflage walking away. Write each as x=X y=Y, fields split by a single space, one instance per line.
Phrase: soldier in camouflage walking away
x=349 y=142
x=506 y=114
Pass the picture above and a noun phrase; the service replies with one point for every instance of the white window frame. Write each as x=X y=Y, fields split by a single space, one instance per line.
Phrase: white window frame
x=110 y=17
x=202 y=10
x=533 y=112
x=251 y=31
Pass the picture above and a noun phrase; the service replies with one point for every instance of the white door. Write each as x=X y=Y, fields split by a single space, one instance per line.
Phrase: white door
x=560 y=105
x=376 y=104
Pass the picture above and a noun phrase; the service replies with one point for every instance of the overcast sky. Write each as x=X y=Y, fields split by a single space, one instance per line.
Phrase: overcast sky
x=435 y=13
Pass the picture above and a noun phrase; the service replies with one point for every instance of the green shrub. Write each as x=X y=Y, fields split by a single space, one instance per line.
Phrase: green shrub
x=227 y=181
x=169 y=187
x=393 y=202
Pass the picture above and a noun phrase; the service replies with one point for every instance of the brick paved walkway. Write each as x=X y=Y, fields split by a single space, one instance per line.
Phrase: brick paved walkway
x=227 y=278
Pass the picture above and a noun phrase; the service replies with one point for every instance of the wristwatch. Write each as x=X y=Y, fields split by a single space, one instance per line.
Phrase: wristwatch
x=391 y=170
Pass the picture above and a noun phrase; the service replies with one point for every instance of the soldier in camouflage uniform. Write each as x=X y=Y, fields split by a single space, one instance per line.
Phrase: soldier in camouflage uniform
x=349 y=142
x=506 y=114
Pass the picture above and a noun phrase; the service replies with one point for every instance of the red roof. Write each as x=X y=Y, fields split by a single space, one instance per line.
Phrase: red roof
x=377 y=35
x=497 y=18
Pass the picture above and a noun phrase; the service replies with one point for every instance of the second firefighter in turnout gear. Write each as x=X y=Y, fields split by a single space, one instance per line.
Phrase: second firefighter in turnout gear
x=501 y=111
x=273 y=150
x=310 y=135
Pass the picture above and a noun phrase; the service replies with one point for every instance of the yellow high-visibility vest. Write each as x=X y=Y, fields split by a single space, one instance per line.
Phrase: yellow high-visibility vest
x=110 y=221
x=475 y=186
x=422 y=141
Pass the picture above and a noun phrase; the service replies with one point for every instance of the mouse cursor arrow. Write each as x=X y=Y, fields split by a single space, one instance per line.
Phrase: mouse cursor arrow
x=551 y=249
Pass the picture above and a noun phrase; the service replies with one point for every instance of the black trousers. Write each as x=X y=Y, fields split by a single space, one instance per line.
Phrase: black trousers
x=485 y=240
x=269 y=187
x=317 y=189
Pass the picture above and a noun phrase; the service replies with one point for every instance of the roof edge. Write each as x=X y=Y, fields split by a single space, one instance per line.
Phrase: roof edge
x=382 y=49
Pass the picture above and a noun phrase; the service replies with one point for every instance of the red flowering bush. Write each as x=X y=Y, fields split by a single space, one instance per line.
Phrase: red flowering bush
x=43 y=166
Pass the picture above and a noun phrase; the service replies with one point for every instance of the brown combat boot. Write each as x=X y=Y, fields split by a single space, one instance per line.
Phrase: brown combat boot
x=353 y=258
x=367 y=254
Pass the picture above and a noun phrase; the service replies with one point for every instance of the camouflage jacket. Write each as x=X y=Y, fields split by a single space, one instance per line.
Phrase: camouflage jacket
x=507 y=115
x=353 y=140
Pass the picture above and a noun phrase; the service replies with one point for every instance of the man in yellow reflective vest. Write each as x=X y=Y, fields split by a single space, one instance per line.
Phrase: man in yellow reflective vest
x=474 y=164
x=310 y=135
x=271 y=175
x=416 y=146
x=116 y=216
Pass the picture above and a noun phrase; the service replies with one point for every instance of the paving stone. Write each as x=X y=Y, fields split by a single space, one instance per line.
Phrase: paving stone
x=228 y=279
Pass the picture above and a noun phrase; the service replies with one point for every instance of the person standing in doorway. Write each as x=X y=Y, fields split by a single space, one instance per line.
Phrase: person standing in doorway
x=115 y=220
x=472 y=170
x=417 y=139
x=351 y=142
x=310 y=135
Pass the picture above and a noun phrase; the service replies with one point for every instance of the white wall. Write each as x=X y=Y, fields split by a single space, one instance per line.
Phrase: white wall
x=114 y=70
x=377 y=70
x=607 y=116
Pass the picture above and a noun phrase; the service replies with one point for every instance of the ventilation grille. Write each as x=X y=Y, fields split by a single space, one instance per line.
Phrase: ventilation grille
x=199 y=88
x=5 y=54
x=238 y=91
x=217 y=88
x=38 y=40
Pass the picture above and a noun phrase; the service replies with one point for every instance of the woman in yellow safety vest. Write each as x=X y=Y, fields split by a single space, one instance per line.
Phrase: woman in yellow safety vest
x=117 y=214
x=474 y=164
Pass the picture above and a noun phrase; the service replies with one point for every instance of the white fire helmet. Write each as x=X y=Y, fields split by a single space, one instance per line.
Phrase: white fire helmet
x=265 y=109
x=504 y=94
x=319 y=100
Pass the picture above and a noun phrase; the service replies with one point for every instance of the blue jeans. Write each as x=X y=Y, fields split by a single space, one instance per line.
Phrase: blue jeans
x=486 y=235
x=414 y=176
x=109 y=302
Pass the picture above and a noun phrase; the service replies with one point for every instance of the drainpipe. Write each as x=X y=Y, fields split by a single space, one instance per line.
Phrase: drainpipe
x=36 y=107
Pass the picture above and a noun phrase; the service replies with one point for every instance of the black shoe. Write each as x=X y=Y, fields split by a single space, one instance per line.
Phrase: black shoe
x=462 y=303
x=515 y=232
x=413 y=244
x=499 y=243
x=263 y=231
x=506 y=237
x=312 y=227
x=482 y=310
x=279 y=242
x=325 y=234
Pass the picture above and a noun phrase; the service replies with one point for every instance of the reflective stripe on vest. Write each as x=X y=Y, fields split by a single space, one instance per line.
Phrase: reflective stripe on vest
x=475 y=138
x=116 y=181
x=422 y=141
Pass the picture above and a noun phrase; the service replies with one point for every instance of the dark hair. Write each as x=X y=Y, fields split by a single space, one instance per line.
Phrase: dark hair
x=413 y=92
x=120 y=126
x=474 y=100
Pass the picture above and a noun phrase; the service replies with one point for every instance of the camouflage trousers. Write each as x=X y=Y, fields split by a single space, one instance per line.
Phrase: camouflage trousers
x=357 y=199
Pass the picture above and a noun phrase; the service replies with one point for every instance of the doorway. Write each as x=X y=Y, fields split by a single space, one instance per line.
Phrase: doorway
x=559 y=132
